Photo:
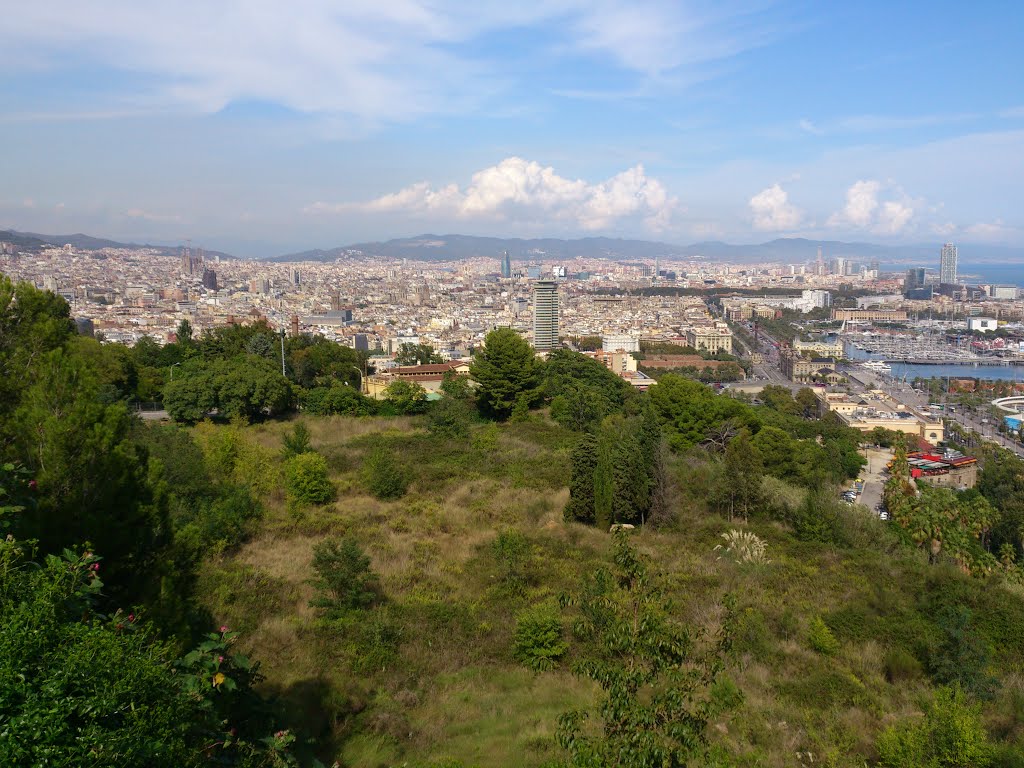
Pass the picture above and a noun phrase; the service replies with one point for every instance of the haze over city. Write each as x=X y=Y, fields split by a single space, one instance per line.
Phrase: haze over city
x=260 y=128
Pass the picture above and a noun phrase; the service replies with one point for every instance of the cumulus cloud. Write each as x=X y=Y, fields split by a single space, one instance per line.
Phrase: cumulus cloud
x=518 y=189
x=773 y=211
x=864 y=210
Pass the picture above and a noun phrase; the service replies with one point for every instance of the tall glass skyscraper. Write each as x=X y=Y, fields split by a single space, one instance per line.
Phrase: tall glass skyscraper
x=947 y=265
x=545 y=315
x=506 y=265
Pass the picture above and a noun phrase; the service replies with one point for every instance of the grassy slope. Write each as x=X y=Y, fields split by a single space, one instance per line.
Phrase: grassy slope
x=451 y=689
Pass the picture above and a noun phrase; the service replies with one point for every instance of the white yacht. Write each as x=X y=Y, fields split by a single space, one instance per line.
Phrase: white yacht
x=878 y=366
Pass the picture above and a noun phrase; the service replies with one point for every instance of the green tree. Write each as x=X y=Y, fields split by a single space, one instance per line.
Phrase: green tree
x=457 y=386
x=778 y=398
x=94 y=483
x=337 y=399
x=250 y=388
x=406 y=397
x=807 y=403
x=775 y=448
x=951 y=735
x=506 y=370
x=579 y=407
x=417 y=354
x=654 y=673
x=689 y=411
x=297 y=441
x=32 y=324
x=604 y=483
x=581 y=504
x=307 y=480
x=344 y=579
x=566 y=370
x=742 y=493
x=183 y=333
x=243 y=387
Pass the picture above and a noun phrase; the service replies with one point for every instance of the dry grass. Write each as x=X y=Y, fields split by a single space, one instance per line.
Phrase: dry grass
x=454 y=692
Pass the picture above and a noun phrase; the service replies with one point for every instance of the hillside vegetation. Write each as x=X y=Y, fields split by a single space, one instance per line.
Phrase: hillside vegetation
x=293 y=574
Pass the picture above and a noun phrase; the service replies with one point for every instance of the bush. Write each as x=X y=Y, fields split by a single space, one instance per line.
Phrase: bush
x=537 y=641
x=297 y=441
x=821 y=639
x=511 y=551
x=344 y=579
x=900 y=665
x=950 y=736
x=449 y=418
x=383 y=477
x=307 y=481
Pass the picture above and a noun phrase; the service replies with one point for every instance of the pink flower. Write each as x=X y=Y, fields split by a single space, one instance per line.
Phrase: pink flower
x=131 y=617
x=95 y=566
x=220 y=659
x=223 y=629
x=32 y=485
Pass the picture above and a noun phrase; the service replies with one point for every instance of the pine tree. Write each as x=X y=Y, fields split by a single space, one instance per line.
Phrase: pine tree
x=506 y=370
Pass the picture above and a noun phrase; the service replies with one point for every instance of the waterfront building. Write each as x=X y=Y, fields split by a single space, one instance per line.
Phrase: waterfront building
x=948 y=265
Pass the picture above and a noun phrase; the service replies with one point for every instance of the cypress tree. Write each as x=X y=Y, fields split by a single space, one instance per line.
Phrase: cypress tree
x=604 y=484
x=580 y=508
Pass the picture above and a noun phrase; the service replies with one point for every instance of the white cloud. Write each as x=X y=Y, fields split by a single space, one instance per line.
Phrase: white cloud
x=864 y=209
x=894 y=217
x=773 y=211
x=861 y=202
x=994 y=231
x=522 y=190
x=809 y=127
x=365 y=59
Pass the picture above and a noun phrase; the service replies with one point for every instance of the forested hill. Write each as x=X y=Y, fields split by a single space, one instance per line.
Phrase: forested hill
x=542 y=567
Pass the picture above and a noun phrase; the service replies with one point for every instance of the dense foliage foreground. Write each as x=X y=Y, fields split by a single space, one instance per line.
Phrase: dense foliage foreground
x=436 y=585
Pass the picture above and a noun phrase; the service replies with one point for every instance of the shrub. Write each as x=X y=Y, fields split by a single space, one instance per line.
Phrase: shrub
x=821 y=639
x=297 y=441
x=307 y=481
x=950 y=736
x=485 y=440
x=449 y=418
x=537 y=641
x=383 y=477
x=900 y=665
x=344 y=580
x=511 y=551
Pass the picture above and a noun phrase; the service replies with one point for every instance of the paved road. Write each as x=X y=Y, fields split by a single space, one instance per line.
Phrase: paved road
x=874 y=479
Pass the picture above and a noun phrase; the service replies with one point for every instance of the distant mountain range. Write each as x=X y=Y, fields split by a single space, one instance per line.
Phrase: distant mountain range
x=785 y=250
x=430 y=247
x=33 y=241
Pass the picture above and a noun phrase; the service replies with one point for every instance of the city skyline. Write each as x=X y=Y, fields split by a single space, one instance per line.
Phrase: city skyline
x=260 y=129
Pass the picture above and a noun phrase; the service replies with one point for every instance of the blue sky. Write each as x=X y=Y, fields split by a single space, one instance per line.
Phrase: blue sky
x=259 y=126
